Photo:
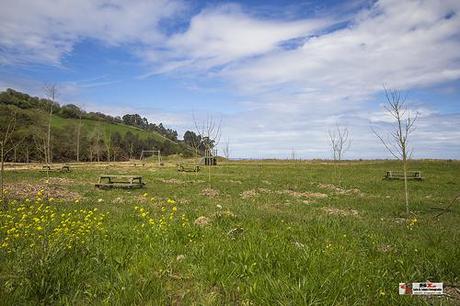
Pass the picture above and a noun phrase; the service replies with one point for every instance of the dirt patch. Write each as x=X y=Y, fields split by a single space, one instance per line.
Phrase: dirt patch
x=452 y=293
x=209 y=192
x=172 y=181
x=340 y=212
x=57 y=181
x=29 y=191
x=339 y=190
x=384 y=248
x=202 y=221
x=298 y=194
x=248 y=194
x=234 y=181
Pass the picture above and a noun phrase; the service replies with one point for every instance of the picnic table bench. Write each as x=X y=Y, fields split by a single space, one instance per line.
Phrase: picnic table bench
x=47 y=168
x=183 y=168
x=399 y=175
x=120 y=181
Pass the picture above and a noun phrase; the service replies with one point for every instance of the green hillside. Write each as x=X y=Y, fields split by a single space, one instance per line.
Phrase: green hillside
x=89 y=125
x=101 y=137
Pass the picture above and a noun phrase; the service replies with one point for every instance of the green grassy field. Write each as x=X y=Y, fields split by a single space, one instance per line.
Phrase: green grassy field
x=260 y=233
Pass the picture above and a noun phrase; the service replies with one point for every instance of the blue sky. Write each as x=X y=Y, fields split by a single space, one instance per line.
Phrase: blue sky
x=279 y=74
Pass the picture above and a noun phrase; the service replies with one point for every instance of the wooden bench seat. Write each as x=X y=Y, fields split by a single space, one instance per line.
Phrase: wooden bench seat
x=120 y=181
x=184 y=168
x=399 y=175
x=47 y=168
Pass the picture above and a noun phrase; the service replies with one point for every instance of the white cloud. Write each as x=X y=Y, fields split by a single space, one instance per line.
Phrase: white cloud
x=405 y=44
x=225 y=34
x=295 y=93
x=44 y=31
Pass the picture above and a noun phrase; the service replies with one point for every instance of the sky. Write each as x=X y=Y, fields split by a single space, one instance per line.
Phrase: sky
x=279 y=75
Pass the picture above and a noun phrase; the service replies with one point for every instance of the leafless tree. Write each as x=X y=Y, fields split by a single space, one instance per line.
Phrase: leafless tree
x=397 y=140
x=7 y=144
x=209 y=130
x=79 y=131
x=226 y=149
x=95 y=144
x=108 y=143
x=340 y=142
x=51 y=92
x=293 y=155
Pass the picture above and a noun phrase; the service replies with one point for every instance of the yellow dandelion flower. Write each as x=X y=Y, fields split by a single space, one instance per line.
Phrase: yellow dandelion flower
x=171 y=201
x=145 y=194
x=174 y=209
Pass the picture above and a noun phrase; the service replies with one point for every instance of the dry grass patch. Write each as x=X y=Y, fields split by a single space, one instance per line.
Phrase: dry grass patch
x=248 y=194
x=210 y=193
x=298 y=194
x=340 y=212
x=172 y=181
x=340 y=190
x=28 y=191
x=202 y=221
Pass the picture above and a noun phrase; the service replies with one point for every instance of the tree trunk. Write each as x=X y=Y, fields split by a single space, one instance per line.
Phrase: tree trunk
x=2 y=156
x=48 y=144
x=406 y=190
x=78 y=141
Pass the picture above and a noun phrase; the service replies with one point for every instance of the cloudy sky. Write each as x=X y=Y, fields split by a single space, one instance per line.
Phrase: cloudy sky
x=279 y=73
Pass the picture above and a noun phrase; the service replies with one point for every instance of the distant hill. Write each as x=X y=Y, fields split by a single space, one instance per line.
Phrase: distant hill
x=101 y=136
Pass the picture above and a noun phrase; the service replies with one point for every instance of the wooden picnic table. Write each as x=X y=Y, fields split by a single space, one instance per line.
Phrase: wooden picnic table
x=119 y=181
x=185 y=168
x=399 y=175
x=47 y=168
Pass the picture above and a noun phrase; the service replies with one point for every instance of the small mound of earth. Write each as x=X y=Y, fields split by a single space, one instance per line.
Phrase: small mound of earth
x=202 y=221
x=248 y=194
x=339 y=190
x=340 y=212
x=28 y=190
x=209 y=192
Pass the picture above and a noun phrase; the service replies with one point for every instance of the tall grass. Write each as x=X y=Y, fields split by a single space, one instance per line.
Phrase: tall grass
x=274 y=244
